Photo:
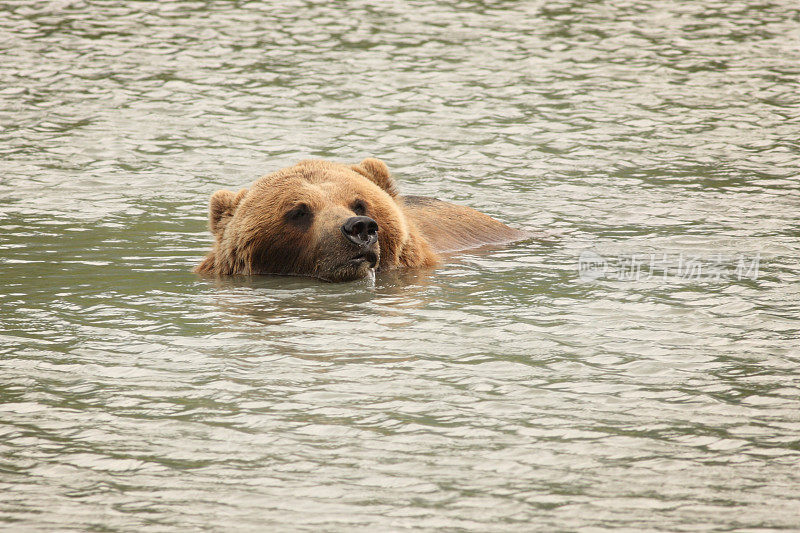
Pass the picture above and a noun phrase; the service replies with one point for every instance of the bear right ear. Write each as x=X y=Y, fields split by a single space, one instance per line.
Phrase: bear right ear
x=223 y=205
x=377 y=172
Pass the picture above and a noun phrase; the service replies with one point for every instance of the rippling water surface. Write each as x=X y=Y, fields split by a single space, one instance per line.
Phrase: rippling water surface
x=635 y=367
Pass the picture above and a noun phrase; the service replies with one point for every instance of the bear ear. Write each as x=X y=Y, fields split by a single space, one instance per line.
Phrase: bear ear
x=221 y=209
x=376 y=171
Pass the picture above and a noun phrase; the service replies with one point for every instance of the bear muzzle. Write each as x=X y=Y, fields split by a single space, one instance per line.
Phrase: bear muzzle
x=363 y=232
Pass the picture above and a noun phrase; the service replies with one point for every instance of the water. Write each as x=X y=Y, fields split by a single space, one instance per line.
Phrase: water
x=635 y=367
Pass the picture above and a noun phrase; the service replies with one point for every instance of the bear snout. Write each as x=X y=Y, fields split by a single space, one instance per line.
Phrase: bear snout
x=361 y=231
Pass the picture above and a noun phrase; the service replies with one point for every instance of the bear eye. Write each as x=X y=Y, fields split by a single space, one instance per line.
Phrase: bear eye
x=359 y=208
x=299 y=213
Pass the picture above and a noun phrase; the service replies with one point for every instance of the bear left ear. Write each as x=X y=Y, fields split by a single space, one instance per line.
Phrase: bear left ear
x=377 y=172
x=221 y=208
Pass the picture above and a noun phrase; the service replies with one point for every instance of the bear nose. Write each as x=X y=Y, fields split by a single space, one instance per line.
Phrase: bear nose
x=362 y=231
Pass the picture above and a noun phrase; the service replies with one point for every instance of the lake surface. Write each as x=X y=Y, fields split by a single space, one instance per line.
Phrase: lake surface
x=635 y=366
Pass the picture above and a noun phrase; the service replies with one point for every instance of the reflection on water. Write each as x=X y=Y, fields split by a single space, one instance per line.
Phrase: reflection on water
x=507 y=390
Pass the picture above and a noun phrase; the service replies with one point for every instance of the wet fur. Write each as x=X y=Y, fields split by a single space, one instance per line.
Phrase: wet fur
x=450 y=227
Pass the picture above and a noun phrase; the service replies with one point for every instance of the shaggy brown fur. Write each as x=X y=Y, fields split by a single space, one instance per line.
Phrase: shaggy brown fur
x=290 y=223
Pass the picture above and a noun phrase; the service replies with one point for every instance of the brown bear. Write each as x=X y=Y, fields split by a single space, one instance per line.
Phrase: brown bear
x=336 y=222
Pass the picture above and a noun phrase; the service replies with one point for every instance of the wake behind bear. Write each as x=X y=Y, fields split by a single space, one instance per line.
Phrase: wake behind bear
x=336 y=222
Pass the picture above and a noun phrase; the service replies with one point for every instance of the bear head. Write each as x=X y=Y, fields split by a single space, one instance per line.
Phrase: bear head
x=317 y=218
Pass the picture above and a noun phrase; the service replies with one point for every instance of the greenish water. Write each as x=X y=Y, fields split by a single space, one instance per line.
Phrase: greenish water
x=636 y=367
